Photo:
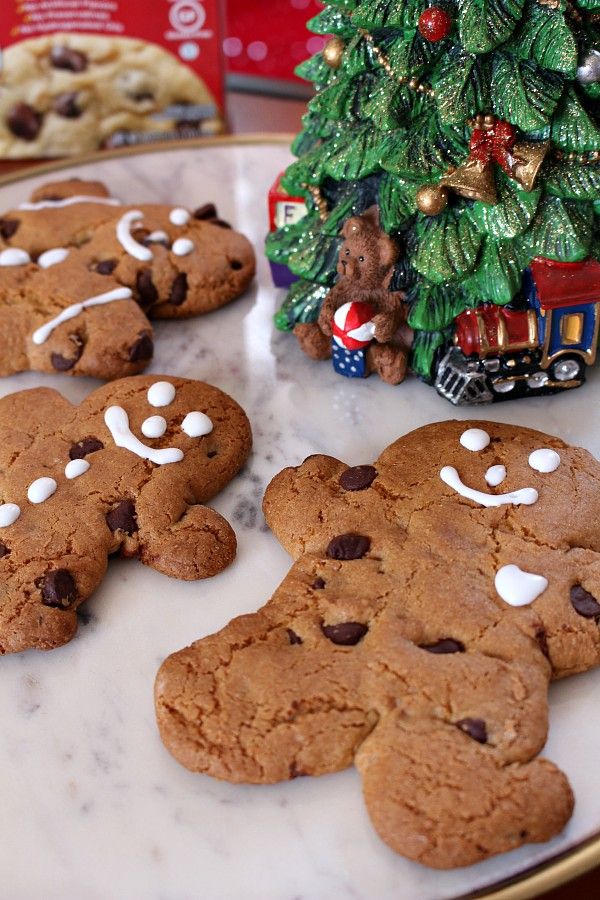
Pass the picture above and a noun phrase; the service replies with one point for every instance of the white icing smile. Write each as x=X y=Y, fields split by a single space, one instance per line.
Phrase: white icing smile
x=126 y=240
x=117 y=421
x=525 y=496
x=519 y=588
x=43 y=333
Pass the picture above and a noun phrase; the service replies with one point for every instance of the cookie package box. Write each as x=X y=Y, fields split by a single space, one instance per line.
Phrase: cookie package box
x=79 y=75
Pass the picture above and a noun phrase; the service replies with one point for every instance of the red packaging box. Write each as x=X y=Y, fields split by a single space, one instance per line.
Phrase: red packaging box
x=82 y=74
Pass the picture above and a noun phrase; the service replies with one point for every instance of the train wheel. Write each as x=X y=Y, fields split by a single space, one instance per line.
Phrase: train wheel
x=567 y=368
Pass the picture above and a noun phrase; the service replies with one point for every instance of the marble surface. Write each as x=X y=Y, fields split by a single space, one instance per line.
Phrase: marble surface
x=92 y=806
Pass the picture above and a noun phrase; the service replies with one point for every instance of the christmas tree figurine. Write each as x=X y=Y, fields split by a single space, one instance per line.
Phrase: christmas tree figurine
x=474 y=128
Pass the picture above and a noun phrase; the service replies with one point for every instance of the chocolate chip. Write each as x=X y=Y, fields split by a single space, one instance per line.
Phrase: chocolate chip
x=211 y=454
x=123 y=517
x=24 y=121
x=542 y=642
x=58 y=589
x=294 y=638
x=357 y=478
x=445 y=645
x=236 y=265
x=220 y=223
x=207 y=211
x=475 y=728
x=295 y=772
x=62 y=363
x=8 y=227
x=66 y=105
x=85 y=446
x=179 y=289
x=66 y=58
x=145 y=287
x=141 y=96
x=345 y=633
x=106 y=266
x=584 y=603
x=348 y=546
x=142 y=349
x=318 y=584
x=4 y=551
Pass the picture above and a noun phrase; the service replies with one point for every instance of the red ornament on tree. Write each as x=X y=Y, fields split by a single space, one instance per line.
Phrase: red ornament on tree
x=435 y=24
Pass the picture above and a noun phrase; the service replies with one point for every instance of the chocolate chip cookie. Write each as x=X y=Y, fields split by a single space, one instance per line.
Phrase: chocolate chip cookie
x=433 y=596
x=129 y=471
x=81 y=274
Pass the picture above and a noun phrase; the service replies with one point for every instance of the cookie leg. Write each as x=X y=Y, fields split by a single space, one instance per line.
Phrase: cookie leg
x=389 y=362
x=312 y=341
x=439 y=797
x=199 y=544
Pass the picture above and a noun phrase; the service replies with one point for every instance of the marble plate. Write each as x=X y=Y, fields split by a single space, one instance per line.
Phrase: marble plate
x=91 y=805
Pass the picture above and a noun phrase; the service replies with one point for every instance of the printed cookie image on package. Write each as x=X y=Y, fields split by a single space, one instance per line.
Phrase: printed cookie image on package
x=128 y=470
x=64 y=93
x=81 y=274
x=432 y=598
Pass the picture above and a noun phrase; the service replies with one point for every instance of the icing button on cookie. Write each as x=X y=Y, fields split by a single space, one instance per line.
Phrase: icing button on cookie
x=348 y=546
x=357 y=478
x=584 y=603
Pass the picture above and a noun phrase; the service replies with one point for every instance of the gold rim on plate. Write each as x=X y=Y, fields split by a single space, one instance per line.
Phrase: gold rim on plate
x=523 y=885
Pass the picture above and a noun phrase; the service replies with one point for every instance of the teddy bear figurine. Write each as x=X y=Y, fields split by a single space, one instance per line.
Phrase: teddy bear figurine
x=433 y=595
x=362 y=323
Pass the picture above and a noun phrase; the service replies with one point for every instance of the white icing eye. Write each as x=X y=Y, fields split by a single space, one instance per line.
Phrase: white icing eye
x=161 y=393
x=76 y=467
x=197 y=424
x=52 y=257
x=154 y=427
x=526 y=496
x=40 y=489
x=182 y=247
x=544 y=460
x=519 y=588
x=495 y=475
x=9 y=513
x=179 y=216
x=14 y=256
x=475 y=439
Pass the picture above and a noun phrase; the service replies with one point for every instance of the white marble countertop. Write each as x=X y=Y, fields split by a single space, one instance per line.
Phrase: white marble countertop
x=92 y=805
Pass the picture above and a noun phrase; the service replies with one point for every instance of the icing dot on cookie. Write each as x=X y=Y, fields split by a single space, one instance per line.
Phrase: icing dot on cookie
x=182 y=247
x=41 y=489
x=179 y=216
x=156 y=236
x=544 y=460
x=76 y=467
x=519 y=588
x=9 y=513
x=124 y=236
x=475 y=439
x=14 y=256
x=495 y=475
x=161 y=393
x=197 y=424
x=52 y=257
x=154 y=427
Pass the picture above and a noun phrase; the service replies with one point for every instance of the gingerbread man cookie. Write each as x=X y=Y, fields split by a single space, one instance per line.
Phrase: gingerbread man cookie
x=433 y=596
x=81 y=274
x=128 y=470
